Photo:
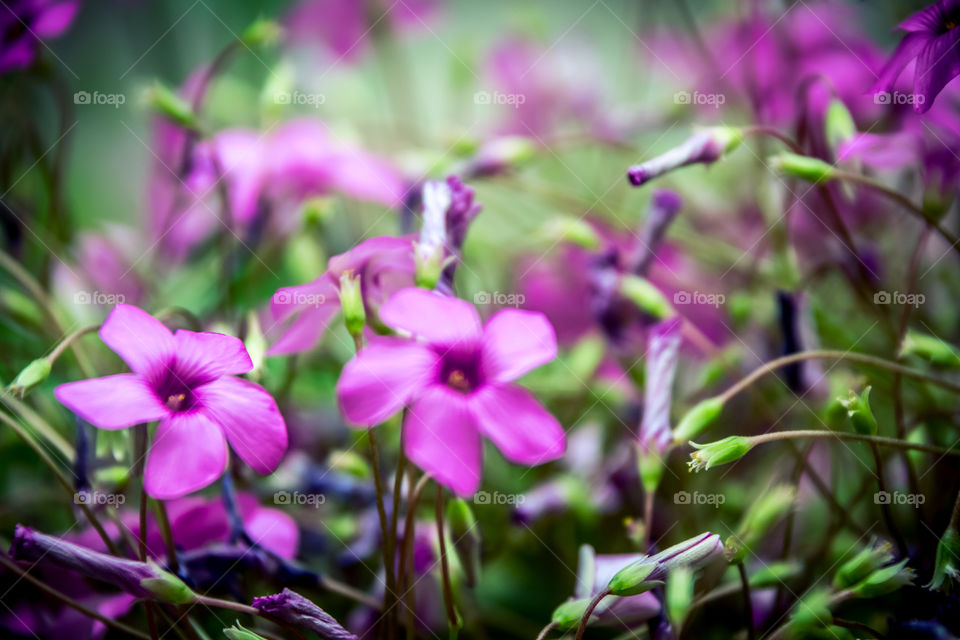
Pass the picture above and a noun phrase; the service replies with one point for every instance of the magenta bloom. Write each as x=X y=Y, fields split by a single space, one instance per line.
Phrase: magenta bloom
x=24 y=23
x=932 y=39
x=384 y=265
x=186 y=381
x=456 y=377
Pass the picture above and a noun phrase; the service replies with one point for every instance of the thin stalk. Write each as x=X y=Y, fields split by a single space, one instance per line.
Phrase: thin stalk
x=40 y=425
x=389 y=592
x=747 y=602
x=647 y=520
x=69 y=340
x=406 y=562
x=163 y=521
x=546 y=631
x=827 y=354
x=884 y=507
x=227 y=604
x=879 y=440
x=589 y=612
x=452 y=618
x=70 y=602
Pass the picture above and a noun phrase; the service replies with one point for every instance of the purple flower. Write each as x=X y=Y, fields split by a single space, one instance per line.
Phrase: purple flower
x=25 y=23
x=187 y=382
x=703 y=147
x=384 y=265
x=456 y=379
x=663 y=346
x=932 y=40
x=291 y=607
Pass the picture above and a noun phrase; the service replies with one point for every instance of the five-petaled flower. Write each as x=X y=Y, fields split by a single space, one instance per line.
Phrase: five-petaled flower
x=456 y=377
x=186 y=381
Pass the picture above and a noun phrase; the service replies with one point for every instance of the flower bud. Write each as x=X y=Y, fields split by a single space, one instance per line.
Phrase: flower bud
x=571 y=230
x=647 y=572
x=839 y=126
x=350 y=463
x=238 y=632
x=632 y=579
x=803 y=167
x=862 y=565
x=31 y=376
x=351 y=301
x=465 y=534
x=292 y=608
x=714 y=454
x=765 y=512
x=858 y=410
x=773 y=574
x=885 y=580
x=701 y=416
x=646 y=296
x=679 y=594
x=930 y=348
x=428 y=265
x=261 y=33
x=705 y=146
x=568 y=615
x=169 y=104
x=947 y=565
x=139 y=579
x=812 y=612
x=500 y=155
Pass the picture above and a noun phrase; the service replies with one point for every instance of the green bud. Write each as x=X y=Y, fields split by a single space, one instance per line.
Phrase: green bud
x=839 y=125
x=701 y=416
x=318 y=210
x=350 y=463
x=858 y=410
x=647 y=297
x=726 y=138
x=167 y=587
x=568 y=615
x=572 y=230
x=238 y=632
x=772 y=575
x=803 y=167
x=862 y=565
x=255 y=342
x=166 y=102
x=718 y=453
x=630 y=580
x=650 y=466
x=262 y=33
x=947 y=566
x=466 y=538
x=31 y=376
x=811 y=613
x=765 y=512
x=884 y=581
x=351 y=301
x=679 y=594
x=930 y=348
x=429 y=264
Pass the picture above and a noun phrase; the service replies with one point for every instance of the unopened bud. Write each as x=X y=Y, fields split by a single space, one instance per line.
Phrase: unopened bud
x=568 y=615
x=351 y=301
x=862 y=565
x=947 y=566
x=31 y=376
x=571 y=230
x=803 y=167
x=350 y=463
x=261 y=33
x=718 y=453
x=238 y=632
x=679 y=594
x=292 y=608
x=703 y=147
x=702 y=415
x=645 y=296
x=930 y=348
x=886 y=580
x=858 y=410
x=839 y=125
x=811 y=613
x=169 y=104
x=763 y=514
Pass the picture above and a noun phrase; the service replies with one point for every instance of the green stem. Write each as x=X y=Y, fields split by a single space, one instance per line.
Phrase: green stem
x=163 y=521
x=747 y=602
x=452 y=618
x=389 y=592
x=68 y=341
x=227 y=604
x=839 y=435
x=409 y=530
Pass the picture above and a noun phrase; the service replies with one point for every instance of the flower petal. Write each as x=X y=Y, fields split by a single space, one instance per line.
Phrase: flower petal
x=515 y=342
x=112 y=402
x=438 y=318
x=139 y=338
x=908 y=49
x=314 y=303
x=209 y=356
x=271 y=528
x=522 y=429
x=441 y=437
x=382 y=378
x=937 y=64
x=188 y=453
x=250 y=419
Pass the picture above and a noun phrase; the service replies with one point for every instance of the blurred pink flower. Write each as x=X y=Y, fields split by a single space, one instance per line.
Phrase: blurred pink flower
x=25 y=24
x=455 y=376
x=187 y=382
x=384 y=264
x=663 y=346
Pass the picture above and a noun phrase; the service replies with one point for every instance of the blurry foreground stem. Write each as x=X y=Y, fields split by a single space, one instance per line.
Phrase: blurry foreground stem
x=839 y=435
x=452 y=618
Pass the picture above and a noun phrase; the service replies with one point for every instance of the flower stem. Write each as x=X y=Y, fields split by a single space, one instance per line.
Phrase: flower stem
x=839 y=435
x=68 y=341
x=227 y=604
x=452 y=618
x=747 y=602
x=409 y=530
x=589 y=612
x=826 y=354
x=163 y=521
x=389 y=592
x=546 y=631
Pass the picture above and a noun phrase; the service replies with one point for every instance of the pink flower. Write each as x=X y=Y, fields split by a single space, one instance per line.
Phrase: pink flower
x=186 y=381
x=384 y=265
x=663 y=347
x=455 y=376
x=24 y=24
